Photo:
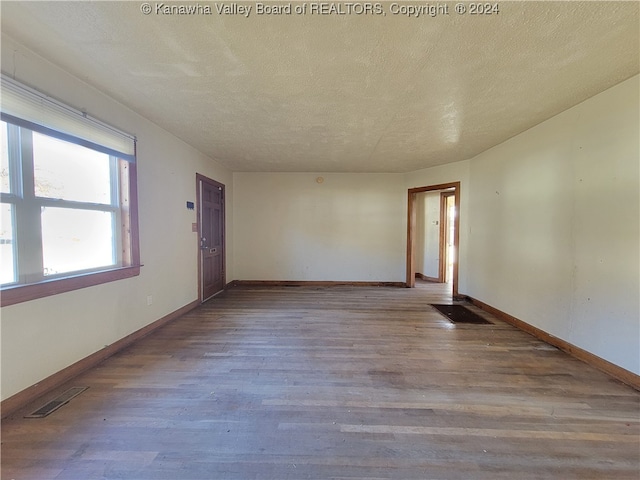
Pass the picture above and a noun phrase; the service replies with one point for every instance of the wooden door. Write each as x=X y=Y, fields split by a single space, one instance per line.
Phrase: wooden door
x=447 y=227
x=211 y=222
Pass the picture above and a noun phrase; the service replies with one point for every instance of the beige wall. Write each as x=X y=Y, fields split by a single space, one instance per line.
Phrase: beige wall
x=351 y=227
x=43 y=336
x=553 y=226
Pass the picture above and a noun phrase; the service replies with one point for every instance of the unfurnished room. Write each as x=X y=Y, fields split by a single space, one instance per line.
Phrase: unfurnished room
x=320 y=240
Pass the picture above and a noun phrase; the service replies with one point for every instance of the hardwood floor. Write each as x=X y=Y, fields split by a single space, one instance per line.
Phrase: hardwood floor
x=332 y=383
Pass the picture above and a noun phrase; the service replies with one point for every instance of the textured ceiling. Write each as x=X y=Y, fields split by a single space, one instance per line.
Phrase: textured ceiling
x=338 y=93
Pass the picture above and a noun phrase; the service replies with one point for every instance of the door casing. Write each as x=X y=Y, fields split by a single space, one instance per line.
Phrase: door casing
x=411 y=228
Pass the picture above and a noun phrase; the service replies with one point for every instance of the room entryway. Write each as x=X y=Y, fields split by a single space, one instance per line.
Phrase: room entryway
x=433 y=235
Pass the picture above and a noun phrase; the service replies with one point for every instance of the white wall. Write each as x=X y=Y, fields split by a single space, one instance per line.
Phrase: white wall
x=351 y=227
x=553 y=226
x=46 y=335
x=427 y=241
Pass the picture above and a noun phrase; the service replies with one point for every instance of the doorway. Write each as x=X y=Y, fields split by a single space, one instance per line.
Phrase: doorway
x=449 y=230
x=211 y=251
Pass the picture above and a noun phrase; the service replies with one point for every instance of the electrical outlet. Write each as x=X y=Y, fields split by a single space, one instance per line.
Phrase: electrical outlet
x=149 y=299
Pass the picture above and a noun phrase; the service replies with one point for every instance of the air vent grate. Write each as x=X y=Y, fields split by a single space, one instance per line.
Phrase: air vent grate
x=460 y=314
x=56 y=403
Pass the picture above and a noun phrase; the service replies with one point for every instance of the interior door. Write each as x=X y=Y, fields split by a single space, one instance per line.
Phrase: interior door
x=447 y=230
x=211 y=221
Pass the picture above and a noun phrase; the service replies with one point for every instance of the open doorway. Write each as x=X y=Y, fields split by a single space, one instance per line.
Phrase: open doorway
x=442 y=262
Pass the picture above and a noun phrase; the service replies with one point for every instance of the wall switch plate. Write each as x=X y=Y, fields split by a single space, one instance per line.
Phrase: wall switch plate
x=149 y=299
x=194 y=227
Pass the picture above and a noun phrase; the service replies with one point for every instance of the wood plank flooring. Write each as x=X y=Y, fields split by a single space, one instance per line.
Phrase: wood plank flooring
x=332 y=383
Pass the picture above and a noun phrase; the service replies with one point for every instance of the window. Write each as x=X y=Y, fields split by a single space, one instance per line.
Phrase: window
x=67 y=203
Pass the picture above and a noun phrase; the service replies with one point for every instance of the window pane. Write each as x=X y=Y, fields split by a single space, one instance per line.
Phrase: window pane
x=70 y=172
x=5 y=183
x=7 y=250
x=76 y=240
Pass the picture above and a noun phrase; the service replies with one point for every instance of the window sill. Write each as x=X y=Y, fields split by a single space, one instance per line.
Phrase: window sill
x=12 y=295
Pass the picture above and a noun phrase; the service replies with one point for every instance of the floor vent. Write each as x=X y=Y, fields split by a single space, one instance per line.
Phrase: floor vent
x=460 y=314
x=56 y=403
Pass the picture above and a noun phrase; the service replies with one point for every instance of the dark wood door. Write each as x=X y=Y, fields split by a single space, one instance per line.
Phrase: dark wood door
x=211 y=208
